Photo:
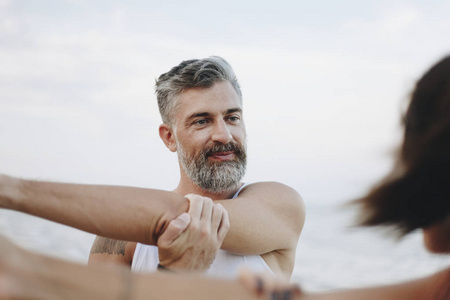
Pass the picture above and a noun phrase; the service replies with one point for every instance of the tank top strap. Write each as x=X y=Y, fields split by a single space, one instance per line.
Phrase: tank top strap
x=237 y=193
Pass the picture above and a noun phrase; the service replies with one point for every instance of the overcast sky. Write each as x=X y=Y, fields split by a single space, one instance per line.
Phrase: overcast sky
x=324 y=83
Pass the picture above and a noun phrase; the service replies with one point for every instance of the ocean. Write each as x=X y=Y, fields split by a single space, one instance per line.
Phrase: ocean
x=330 y=255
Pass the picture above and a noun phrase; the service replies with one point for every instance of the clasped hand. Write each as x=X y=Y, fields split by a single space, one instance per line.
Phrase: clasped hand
x=192 y=240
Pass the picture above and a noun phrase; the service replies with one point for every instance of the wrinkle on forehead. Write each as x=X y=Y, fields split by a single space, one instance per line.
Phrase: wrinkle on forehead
x=206 y=101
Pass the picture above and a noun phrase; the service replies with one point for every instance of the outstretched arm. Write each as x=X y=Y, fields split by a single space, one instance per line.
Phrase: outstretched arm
x=26 y=275
x=135 y=214
x=117 y=212
x=434 y=287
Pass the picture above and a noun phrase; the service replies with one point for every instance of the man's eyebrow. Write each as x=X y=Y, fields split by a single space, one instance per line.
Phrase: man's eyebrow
x=207 y=114
x=198 y=115
x=233 y=110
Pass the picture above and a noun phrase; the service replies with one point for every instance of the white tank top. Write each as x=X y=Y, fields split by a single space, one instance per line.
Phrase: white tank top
x=225 y=265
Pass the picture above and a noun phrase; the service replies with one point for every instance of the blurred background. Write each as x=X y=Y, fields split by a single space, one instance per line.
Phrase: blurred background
x=324 y=86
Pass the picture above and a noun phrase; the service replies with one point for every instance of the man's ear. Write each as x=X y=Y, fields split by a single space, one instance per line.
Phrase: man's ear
x=168 y=137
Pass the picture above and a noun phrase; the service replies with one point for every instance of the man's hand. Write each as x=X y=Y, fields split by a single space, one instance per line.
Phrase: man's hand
x=192 y=240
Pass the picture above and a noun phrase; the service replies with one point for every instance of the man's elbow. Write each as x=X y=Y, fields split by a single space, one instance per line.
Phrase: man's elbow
x=172 y=208
x=299 y=215
x=294 y=209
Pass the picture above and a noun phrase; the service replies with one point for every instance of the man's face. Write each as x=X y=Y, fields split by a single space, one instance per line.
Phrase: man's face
x=210 y=136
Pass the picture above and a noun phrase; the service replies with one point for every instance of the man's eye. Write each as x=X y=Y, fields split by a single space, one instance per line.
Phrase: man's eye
x=201 y=122
x=233 y=118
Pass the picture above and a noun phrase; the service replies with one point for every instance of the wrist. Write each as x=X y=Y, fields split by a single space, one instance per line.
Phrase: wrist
x=10 y=192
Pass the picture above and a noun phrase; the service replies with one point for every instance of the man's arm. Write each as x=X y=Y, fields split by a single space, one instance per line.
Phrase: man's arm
x=266 y=219
x=142 y=217
x=266 y=216
x=122 y=213
x=106 y=250
x=189 y=243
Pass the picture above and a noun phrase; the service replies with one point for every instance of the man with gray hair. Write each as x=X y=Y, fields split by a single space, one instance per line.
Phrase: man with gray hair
x=200 y=102
x=203 y=74
x=257 y=224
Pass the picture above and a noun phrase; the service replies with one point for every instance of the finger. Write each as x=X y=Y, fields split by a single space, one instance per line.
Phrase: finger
x=296 y=289
x=216 y=218
x=251 y=281
x=224 y=225
x=282 y=295
x=286 y=295
x=207 y=211
x=174 y=230
x=195 y=206
x=279 y=287
x=269 y=283
x=284 y=292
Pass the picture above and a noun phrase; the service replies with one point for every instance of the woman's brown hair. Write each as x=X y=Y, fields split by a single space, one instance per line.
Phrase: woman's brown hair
x=417 y=192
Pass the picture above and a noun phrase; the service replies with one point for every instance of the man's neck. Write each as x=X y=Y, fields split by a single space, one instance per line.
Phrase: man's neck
x=186 y=186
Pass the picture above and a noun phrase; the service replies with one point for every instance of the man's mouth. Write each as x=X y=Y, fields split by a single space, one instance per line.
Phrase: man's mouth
x=222 y=156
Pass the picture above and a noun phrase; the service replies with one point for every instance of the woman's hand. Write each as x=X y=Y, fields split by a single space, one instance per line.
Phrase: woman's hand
x=269 y=285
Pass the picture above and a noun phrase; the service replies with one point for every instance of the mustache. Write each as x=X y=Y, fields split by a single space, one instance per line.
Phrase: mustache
x=237 y=149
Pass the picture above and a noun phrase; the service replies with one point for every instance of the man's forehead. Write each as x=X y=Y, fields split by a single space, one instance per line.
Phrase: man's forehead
x=218 y=99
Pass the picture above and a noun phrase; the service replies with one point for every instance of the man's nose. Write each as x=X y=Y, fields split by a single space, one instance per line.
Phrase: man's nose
x=221 y=133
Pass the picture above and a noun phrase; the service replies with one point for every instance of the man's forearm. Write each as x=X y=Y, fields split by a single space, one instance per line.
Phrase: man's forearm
x=125 y=213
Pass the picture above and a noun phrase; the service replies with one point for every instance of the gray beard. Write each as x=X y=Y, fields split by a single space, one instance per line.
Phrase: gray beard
x=214 y=177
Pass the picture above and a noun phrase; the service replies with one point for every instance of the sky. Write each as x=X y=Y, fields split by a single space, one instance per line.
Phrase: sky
x=324 y=84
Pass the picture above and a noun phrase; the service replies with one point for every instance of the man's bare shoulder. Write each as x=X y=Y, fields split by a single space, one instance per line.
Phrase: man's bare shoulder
x=105 y=250
x=271 y=186
x=280 y=212
x=279 y=197
x=272 y=189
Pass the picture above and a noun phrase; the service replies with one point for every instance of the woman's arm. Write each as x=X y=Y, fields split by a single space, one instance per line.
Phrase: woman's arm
x=434 y=287
x=26 y=275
